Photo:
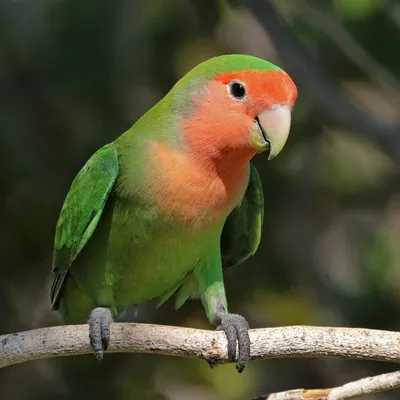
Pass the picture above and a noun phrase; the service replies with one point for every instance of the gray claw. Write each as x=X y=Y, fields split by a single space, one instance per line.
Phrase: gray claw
x=236 y=328
x=99 y=321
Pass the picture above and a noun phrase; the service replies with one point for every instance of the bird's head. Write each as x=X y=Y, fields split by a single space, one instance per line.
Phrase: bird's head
x=237 y=103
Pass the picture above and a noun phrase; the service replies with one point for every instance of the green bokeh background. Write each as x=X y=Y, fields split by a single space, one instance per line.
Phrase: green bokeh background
x=75 y=74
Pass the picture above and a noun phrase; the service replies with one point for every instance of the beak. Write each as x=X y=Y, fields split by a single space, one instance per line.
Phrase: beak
x=272 y=129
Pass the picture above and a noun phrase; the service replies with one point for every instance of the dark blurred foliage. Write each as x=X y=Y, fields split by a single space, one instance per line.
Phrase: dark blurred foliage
x=75 y=74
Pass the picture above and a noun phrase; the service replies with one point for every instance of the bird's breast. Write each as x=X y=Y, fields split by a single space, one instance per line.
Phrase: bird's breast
x=187 y=191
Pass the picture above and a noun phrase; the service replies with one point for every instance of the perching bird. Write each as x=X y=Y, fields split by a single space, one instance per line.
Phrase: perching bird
x=168 y=205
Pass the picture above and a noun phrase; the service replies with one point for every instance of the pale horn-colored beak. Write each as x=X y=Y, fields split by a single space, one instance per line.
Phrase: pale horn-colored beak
x=272 y=130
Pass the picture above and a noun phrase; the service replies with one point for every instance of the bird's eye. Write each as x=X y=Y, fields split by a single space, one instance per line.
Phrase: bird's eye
x=237 y=89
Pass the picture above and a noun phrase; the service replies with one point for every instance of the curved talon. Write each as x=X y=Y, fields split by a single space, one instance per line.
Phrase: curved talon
x=99 y=321
x=231 y=336
x=236 y=329
x=244 y=345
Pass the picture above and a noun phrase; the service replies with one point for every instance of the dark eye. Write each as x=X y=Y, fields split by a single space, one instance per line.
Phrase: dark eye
x=237 y=89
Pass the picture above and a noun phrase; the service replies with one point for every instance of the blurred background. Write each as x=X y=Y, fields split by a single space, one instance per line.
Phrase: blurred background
x=74 y=75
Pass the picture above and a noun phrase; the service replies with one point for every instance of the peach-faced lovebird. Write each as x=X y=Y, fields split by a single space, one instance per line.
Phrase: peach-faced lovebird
x=172 y=202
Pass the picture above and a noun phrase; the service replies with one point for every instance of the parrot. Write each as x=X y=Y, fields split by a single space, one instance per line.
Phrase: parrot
x=174 y=201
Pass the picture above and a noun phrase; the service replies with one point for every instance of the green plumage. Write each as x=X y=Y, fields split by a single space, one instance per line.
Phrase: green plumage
x=114 y=246
x=174 y=201
x=81 y=213
x=132 y=253
x=242 y=230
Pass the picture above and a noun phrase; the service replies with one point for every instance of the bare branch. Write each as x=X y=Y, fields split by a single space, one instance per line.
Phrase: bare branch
x=374 y=384
x=297 y=394
x=292 y=341
x=267 y=343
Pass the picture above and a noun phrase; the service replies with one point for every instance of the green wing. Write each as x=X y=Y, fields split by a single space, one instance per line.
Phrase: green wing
x=81 y=212
x=242 y=230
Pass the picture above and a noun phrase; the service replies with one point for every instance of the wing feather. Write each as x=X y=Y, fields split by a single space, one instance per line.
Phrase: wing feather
x=81 y=213
x=241 y=234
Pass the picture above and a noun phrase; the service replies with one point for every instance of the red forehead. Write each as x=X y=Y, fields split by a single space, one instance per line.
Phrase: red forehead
x=276 y=85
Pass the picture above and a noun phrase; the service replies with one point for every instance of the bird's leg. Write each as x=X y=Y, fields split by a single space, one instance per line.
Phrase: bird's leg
x=99 y=321
x=235 y=326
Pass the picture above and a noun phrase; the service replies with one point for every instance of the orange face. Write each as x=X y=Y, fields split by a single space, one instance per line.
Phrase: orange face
x=230 y=119
x=262 y=89
x=244 y=112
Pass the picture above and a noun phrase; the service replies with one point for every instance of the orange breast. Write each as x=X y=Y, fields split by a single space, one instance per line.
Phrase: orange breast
x=192 y=192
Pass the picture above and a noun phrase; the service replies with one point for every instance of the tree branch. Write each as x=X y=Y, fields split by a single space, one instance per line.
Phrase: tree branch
x=285 y=342
x=374 y=384
x=267 y=343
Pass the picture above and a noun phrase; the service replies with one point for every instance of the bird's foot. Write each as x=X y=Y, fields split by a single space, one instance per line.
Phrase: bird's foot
x=236 y=329
x=99 y=321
